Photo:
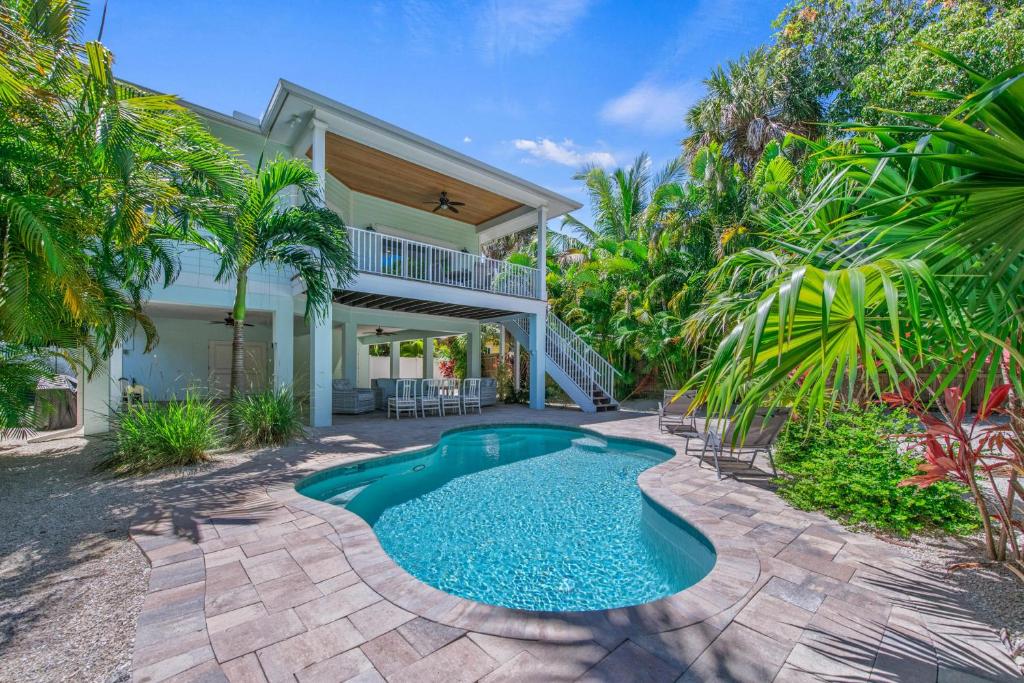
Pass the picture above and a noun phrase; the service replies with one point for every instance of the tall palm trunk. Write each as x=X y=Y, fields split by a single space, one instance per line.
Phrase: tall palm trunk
x=238 y=339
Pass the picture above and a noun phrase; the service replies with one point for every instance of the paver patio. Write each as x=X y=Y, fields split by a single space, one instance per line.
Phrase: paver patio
x=251 y=583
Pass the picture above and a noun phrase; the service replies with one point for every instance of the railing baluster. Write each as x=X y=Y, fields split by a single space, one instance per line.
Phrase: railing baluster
x=375 y=252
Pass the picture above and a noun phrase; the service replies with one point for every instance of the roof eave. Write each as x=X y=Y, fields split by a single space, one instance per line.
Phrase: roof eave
x=557 y=203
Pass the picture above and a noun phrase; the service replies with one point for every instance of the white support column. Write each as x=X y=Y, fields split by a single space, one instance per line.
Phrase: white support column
x=101 y=394
x=320 y=369
x=501 y=345
x=396 y=360
x=473 y=353
x=319 y=151
x=350 y=353
x=428 y=358
x=516 y=366
x=283 y=335
x=116 y=369
x=338 y=351
x=362 y=365
x=542 y=250
x=538 y=329
x=320 y=353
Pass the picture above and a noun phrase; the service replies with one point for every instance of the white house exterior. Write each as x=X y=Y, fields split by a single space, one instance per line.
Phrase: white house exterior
x=420 y=273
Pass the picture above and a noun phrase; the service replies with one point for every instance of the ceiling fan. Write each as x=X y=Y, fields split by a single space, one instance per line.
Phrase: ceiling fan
x=229 y=321
x=444 y=203
x=381 y=333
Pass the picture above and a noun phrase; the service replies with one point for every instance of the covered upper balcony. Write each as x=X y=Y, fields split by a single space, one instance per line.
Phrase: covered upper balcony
x=418 y=212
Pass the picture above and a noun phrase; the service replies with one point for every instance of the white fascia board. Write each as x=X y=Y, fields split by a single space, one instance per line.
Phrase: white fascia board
x=379 y=134
x=202 y=111
x=507 y=224
x=425 y=291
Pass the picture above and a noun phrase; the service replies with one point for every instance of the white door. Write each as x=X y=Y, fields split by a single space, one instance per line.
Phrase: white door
x=220 y=367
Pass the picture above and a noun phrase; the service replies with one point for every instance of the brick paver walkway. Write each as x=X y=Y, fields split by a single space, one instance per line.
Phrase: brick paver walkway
x=249 y=585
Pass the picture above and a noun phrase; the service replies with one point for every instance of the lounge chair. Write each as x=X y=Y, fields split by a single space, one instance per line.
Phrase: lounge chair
x=430 y=396
x=349 y=400
x=471 y=395
x=760 y=437
x=674 y=416
x=404 y=398
x=450 y=396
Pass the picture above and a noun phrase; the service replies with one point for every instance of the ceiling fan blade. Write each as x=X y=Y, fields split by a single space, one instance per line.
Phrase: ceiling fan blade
x=437 y=208
x=431 y=201
x=452 y=209
x=216 y=322
x=456 y=203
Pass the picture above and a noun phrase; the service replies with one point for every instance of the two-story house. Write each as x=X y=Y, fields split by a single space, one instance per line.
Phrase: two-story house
x=421 y=274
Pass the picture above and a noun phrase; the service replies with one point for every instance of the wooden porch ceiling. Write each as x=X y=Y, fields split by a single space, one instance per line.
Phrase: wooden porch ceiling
x=379 y=174
x=406 y=305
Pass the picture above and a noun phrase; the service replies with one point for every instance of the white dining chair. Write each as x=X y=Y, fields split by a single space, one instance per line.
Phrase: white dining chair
x=450 y=396
x=430 y=398
x=471 y=395
x=404 y=398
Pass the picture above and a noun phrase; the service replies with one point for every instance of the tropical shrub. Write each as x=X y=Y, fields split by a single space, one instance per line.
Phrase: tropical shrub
x=265 y=418
x=151 y=436
x=507 y=392
x=453 y=354
x=850 y=467
x=987 y=458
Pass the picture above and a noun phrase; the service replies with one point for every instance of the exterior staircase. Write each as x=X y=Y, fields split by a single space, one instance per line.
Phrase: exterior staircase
x=580 y=371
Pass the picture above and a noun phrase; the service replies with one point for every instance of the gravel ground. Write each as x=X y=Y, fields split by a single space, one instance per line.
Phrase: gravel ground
x=72 y=583
x=997 y=595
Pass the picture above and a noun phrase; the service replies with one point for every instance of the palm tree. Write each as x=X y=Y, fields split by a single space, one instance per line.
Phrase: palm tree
x=906 y=257
x=750 y=103
x=95 y=178
x=628 y=203
x=259 y=231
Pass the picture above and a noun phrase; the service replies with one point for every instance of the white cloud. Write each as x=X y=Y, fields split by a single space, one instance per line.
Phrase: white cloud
x=467 y=139
x=652 y=107
x=564 y=152
x=507 y=27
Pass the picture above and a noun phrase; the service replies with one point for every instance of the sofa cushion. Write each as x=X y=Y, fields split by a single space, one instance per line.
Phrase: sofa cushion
x=341 y=385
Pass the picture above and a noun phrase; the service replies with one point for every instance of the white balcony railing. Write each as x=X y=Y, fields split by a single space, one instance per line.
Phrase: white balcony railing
x=381 y=254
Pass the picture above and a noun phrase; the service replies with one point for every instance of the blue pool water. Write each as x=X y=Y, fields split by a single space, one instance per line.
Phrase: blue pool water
x=535 y=518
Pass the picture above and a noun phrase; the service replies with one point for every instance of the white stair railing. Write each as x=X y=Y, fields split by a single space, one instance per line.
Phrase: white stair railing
x=380 y=254
x=563 y=347
x=603 y=371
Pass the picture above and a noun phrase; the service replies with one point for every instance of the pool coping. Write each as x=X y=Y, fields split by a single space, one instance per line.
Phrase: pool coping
x=734 y=574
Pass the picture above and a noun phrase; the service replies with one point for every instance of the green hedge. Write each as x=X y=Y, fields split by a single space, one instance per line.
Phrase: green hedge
x=150 y=436
x=849 y=467
x=264 y=418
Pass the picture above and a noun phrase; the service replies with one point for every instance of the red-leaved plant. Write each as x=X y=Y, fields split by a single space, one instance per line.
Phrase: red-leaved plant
x=977 y=454
x=447 y=368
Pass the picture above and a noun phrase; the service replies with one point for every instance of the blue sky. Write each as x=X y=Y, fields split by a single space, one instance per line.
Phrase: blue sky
x=535 y=87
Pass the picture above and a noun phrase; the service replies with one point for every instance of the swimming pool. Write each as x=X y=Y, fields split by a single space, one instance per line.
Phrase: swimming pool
x=528 y=517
